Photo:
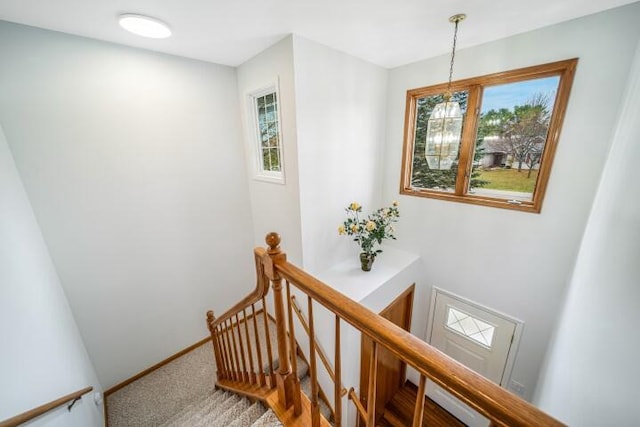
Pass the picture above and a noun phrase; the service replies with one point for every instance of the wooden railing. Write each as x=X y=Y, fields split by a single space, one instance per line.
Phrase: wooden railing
x=43 y=409
x=498 y=405
x=232 y=331
x=321 y=353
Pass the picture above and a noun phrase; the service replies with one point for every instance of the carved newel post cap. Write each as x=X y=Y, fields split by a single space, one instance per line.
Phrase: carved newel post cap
x=210 y=319
x=273 y=241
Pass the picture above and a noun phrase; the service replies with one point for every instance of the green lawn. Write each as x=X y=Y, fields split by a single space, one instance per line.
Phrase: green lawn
x=509 y=179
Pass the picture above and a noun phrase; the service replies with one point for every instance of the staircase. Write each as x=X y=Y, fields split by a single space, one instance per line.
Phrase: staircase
x=223 y=409
x=259 y=364
x=208 y=408
x=243 y=365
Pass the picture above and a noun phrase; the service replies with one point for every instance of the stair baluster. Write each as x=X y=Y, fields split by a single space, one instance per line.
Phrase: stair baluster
x=260 y=378
x=418 y=413
x=243 y=359
x=252 y=372
x=337 y=381
x=265 y=316
x=227 y=343
x=216 y=348
x=373 y=381
x=293 y=345
x=225 y=353
x=232 y=343
x=315 y=405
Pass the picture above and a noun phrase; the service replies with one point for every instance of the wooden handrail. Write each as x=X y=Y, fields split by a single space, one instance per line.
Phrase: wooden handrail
x=260 y=291
x=486 y=397
x=323 y=356
x=356 y=401
x=42 y=409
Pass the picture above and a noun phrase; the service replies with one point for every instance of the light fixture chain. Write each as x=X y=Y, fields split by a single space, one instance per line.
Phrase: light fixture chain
x=453 y=56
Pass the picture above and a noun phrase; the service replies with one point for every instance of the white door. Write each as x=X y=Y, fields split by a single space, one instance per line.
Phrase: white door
x=475 y=337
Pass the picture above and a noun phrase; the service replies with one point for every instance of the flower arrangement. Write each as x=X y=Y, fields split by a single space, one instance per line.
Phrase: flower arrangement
x=371 y=230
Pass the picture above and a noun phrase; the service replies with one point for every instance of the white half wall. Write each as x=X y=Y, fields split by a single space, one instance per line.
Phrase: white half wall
x=340 y=104
x=43 y=356
x=275 y=207
x=519 y=263
x=133 y=163
x=592 y=372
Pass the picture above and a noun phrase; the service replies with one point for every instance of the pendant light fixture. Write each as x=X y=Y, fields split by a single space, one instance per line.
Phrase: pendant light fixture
x=445 y=122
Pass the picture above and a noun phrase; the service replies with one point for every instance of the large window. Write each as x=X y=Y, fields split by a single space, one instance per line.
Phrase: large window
x=266 y=122
x=510 y=128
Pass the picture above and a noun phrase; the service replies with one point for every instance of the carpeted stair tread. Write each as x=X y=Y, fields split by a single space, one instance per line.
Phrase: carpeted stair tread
x=201 y=413
x=189 y=416
x=230 y=414
x=303 y=368
x=268 y=419
x=204 y=417
x=195 y=406
x=248 y=417
x=221 y=409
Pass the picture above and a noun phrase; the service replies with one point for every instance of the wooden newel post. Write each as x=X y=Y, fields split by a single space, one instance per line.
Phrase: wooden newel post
x=220 y=370
x=285 y=377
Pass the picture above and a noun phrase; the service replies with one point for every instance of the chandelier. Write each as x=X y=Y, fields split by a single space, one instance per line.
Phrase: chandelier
x=444 y=127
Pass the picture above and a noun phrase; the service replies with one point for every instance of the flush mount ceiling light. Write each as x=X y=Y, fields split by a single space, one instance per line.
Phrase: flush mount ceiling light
x=144 y=26
x=445 y=123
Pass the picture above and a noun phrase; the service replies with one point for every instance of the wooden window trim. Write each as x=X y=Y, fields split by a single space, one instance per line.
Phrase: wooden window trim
x=564 y=69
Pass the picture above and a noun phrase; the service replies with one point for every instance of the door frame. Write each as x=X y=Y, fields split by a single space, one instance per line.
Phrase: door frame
x=517 y=333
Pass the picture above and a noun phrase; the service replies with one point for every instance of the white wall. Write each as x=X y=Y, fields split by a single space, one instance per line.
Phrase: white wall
x=133 y=164
x=516 y=262
x=43 y=356
x=592 y=372
x=340 y=104
x=275 y=207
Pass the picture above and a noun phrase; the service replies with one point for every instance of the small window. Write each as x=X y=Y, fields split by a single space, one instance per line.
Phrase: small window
x=509 y=124
x=470 y=327
x=268 y=143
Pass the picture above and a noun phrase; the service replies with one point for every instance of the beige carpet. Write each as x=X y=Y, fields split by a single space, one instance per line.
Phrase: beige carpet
x=182 y=393
x=156 y=397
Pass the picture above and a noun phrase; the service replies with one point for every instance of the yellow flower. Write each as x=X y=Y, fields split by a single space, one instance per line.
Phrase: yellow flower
x=354 y=206
x=341 y=230
x=395 y=204
x=354 y=228
x=370 y=226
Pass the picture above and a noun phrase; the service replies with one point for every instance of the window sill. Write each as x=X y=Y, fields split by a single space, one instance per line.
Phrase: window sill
x=273 y=179
x=522 y=206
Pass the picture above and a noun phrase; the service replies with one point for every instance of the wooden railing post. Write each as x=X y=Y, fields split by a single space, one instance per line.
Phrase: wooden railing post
x=285 y=377
x=220 y=369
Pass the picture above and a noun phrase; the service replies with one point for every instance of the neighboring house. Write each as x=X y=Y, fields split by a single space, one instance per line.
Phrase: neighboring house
x=496 y=153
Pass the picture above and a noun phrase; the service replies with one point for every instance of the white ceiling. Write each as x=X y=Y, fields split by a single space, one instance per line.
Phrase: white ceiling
x=386 y=32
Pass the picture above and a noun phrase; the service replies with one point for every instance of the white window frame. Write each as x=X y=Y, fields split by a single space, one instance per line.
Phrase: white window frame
x=277 y=177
